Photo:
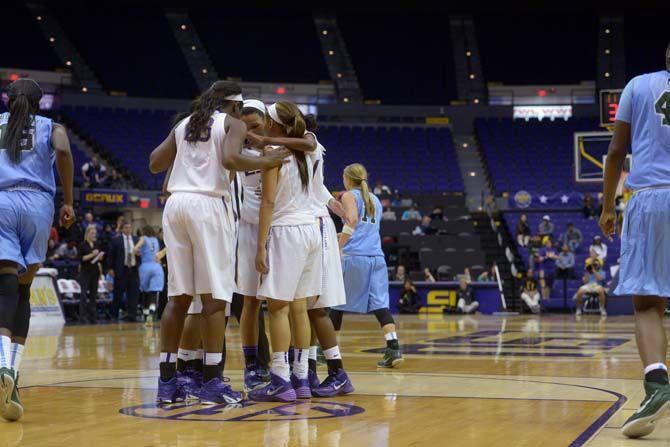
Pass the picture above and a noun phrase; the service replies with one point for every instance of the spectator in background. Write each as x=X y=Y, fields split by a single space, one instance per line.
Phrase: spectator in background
x=589 y=207
x=66 y=252
x=409 y=301
x=107 y=235
x=424 y=229
x=437 y=213
x=565 y=263
x=572 y=237
x=89 y=274
x=599 y=248
x=397 y=199
x=411 y=214
x=120 y=221
x=389 y=214
x=529 y=293
x=488 y=275
x=428 y=276
x=523 y=231
x=115 y=180
x=94 y=173
x=546 y=228
x=546 y=264
x=381 y=190
x=400 y=274
x=88 y=221
x=466 y=275
x=53 y=234
x=123 y=266
x=594 y=278
x=465 y=298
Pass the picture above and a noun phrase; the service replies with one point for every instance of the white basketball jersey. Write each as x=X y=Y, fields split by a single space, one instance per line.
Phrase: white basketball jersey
x=198 y=167
x=293 y=203
x=319 y=192
x=251 y=183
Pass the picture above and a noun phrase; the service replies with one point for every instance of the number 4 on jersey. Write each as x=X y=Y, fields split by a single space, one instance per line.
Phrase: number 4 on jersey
x=662 y=107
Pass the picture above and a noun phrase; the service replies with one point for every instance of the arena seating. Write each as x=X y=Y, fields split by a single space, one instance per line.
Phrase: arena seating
x=536 y=156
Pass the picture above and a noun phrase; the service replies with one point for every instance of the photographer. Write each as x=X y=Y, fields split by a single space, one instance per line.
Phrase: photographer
x=409 y=301
x=594 y=279
x=465 y=298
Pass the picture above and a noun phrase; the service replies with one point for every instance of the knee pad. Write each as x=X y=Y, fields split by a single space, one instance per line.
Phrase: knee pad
x=9 y=300
x=384 y=316
x=336 y=318
x=22 y=316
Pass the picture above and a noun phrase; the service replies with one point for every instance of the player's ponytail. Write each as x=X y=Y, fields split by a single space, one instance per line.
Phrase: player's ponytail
x=217 y=97
x=289 y=116
x=24 y=102
x=359 y=177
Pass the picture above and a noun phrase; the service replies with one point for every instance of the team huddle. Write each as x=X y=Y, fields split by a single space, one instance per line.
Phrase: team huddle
x=248 y=214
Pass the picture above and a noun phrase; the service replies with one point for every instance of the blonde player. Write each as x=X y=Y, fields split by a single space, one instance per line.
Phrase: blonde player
x=288 y=256
x=199 y=231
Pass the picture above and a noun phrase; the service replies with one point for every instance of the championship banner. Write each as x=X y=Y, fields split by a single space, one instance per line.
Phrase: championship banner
x=44 y=304
x=104 y=197
x=535 y=199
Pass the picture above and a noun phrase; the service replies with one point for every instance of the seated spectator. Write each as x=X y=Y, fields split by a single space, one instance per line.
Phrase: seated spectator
x=389 y=214
x=599 y=248
x=88 y=221
x=594 y=278
x=437 y=213
x=94 y=173
x=115 y=180
x=523 y=231
x=546 y=228
x=572 y=237
x=530 y=294
x=397 y=199
x=565 y=264
x=425 y=229
x=411 y=214
x=381 y=190
x=547 y=261
x=465 y=298
x=589 y=207
x=66 y=252
x=409 y=301
x=488 y=275
x=400 y=274
x=428 y=275
x=466 y=275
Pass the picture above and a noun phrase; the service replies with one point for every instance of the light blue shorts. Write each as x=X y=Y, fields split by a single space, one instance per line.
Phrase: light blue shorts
x=645 y=245
x=152 y=278
x=25 y=223
x=366 y=284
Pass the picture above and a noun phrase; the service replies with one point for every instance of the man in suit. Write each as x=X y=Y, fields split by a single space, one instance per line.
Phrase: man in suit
x=123 y=266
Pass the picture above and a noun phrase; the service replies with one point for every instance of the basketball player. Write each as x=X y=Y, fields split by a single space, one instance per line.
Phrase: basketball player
x=333 y=294
x=643 y=124
x=28 y=144
x=365 y=273
x=288 y=256
x=199 y=231
x=152 y=278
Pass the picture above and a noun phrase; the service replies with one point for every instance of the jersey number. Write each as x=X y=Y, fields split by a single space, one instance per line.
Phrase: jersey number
x=27 y=142
x=662 y=107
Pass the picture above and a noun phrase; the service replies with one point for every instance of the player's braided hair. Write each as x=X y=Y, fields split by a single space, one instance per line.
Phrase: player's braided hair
x=24 y=102
x=209 y=102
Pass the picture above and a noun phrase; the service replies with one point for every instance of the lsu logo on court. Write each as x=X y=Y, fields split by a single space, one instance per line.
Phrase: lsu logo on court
x=523 y=199
x=247 y=411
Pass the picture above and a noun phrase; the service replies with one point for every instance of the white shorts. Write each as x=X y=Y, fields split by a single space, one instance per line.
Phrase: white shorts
x=199 y=234
x=196 y=306
x=294 y=262
x=247 y=275
x=332 y=293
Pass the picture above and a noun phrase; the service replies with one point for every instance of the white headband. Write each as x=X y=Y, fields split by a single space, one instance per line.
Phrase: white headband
x=255 y=104
x=272 y=111
x=237 y=97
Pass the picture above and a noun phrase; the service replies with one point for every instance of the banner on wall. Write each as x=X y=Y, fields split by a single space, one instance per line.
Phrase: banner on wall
x=569 y=199
x=104 y=197
x=45 y=306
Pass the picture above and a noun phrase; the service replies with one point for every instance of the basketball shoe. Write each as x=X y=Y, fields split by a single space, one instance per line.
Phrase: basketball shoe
x=391 y=359
x=278 y=390
x=301 y=387
x=655 y=406
x=252 y=379
x=337 y=384
x=7 y=385
x=217 y=391
x=170 y=391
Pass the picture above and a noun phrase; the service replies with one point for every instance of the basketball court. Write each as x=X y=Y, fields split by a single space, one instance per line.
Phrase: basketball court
x=481 y=380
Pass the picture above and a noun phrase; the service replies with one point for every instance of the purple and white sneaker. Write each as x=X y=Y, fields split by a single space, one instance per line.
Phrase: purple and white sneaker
x=337 y=384
x=252 y=380
x=217 y=391
x=191 y=381
x=301 y=387
x=278 y=390
x=313 y=379
x=170 y=391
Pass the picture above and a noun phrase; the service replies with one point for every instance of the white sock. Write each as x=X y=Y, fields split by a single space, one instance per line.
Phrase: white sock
x=199 y=354
x=312 y=352
x=280 y=365
x=168 y=357
x=5 y=351
x=186 y=354
x=300 y=363
x=332 y=353
x=391 y=336
x=654 y=366
x=16 y=356
x=213 y=358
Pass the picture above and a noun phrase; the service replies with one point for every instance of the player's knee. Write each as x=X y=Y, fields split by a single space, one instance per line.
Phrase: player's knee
x=178 y=304
x=336 y=318
x=317 y=314
x=211 y=306
x=278 y=307
x=9 y=299
x=384 y=316
x=22 y=316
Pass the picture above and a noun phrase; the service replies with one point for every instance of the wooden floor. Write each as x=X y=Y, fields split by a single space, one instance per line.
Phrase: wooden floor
x=480 y=381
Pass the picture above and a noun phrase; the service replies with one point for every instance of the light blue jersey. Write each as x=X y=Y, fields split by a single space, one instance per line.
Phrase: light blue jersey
x=149 y=249
x=365 y=241
x=645 y=104
x=152 y=277
x=35 y=169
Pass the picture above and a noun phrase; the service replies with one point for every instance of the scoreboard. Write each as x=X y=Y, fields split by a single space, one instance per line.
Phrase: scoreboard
x=609 y=104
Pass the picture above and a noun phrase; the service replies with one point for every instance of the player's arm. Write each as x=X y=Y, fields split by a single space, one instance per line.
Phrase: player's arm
x=166 y=180
x=163 y=156
x=139 y=245
x=161 y=254
x=324 y=196
x=269 y=179
x=616 y=156
x=65 y=167
x=350 y=218
x=307 y=143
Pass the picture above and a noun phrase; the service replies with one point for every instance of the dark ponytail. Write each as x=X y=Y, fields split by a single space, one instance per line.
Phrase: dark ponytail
x=24 y=102
x=294 y=123
x=310 y=122
x=209 y=102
